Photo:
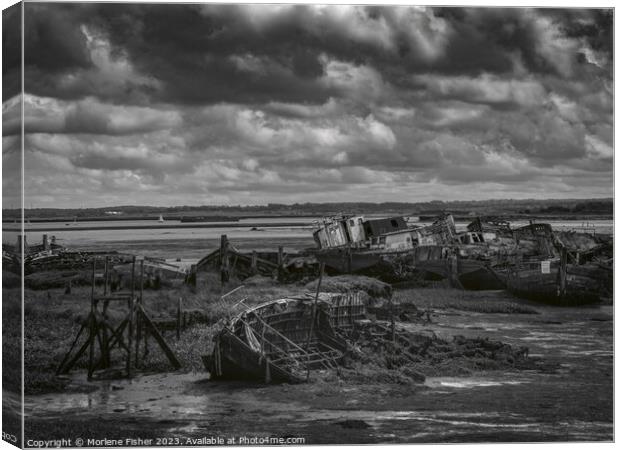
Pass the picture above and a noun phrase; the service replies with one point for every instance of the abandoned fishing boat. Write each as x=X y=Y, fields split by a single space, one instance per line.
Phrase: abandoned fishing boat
x=391 y=249
x=552 y=281
x=571 y=268
x=283 y=340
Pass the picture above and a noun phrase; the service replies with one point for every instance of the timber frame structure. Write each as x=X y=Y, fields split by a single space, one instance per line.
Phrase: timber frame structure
x=103 y=335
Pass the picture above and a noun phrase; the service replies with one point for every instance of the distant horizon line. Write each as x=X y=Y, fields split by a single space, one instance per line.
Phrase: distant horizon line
x=266 y=205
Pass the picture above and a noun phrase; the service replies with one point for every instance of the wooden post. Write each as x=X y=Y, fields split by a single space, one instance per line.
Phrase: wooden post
x=105 y=351
x=130 y=304
x=562 y=269
x=92 y=324
x=280 y=261
x=179 y=319
x=392 y=323
x=349 y=260
x=141 y=279
x=224 y=259
x=254 y=264
x=314 y=306
x=138 y=321
x=146 y=342
x=105 y=276
x=451 y=266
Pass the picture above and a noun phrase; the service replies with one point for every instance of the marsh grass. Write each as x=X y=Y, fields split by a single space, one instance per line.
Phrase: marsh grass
x=346 y=283
x=11 y=339
x=53 y=318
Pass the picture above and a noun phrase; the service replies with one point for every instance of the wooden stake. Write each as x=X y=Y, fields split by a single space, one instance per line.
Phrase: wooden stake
x=141 y=280
x=105 y=276
x=254 y=264
x=314 y=306
x=105 y=351
x=349 y=260
x=392 y=323
x=138 y=321
x=280 y=261
x=562 y=269
x=224 y=259
x=92 y=324
x=179 y=319
x=130 y=305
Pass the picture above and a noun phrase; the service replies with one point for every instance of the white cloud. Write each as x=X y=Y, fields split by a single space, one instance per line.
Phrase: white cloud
x=50 y=115
x=486 y=88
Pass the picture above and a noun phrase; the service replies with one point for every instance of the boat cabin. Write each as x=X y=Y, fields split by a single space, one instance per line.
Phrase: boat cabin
x=377 y=227
x=471 y=238
x=398 y=240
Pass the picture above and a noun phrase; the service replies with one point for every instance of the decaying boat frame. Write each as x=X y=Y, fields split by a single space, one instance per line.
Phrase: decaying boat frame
x=283 y=340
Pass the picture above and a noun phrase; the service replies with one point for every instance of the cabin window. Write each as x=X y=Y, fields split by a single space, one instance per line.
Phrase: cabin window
x=382 y=240
x=408 y=239
x=352 y=222
x=394 y=223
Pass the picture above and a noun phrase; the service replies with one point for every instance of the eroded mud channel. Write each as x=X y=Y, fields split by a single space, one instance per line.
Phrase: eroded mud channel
x=568 y=396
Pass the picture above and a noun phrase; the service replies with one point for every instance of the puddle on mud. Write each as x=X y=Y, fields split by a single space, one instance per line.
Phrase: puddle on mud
x=468 y=383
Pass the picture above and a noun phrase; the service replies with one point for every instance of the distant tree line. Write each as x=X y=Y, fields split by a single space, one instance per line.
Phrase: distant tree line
x=436 y=207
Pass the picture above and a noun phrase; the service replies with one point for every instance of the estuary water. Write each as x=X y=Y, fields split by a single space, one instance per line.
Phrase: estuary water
x=191 y=241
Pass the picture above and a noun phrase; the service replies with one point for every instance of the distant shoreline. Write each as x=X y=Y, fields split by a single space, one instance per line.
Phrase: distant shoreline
x=259 y=225
x=118 y=218
x=164 y=226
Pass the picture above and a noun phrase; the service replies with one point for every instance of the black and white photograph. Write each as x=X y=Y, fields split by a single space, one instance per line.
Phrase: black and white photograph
x=229 y=224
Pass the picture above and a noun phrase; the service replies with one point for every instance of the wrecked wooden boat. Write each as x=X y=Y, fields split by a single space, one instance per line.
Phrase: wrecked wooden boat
x=394 y=252
x=283 y=340
x=558 y=282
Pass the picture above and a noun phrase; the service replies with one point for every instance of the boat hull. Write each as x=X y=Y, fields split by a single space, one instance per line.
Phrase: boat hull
x=237 y=361
x=388 y=266
x=282 y=340
x=584 y=284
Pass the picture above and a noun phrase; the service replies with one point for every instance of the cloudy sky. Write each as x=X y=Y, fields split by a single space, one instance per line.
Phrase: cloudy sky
x=231 y=104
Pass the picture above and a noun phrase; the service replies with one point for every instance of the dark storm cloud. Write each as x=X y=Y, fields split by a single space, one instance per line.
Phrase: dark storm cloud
x=11 y=51
x=254 y=103
x=52 y=42
x=235 y=53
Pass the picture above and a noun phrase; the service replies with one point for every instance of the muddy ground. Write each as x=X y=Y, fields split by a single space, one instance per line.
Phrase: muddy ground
x=566 y=396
